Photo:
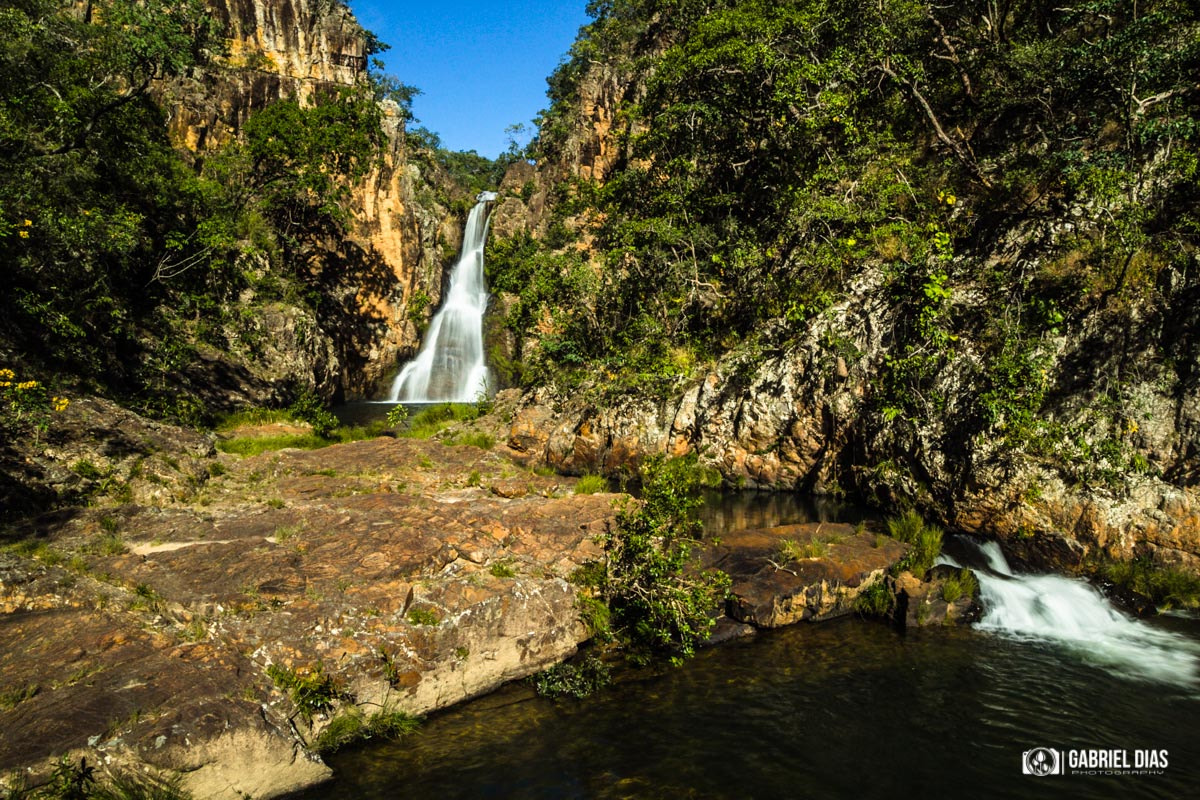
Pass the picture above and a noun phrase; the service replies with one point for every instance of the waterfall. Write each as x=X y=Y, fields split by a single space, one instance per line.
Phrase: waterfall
x=450 y=365
x=1070 y=613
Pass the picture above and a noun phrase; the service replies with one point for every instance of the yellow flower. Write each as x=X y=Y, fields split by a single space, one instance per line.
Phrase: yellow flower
x=60 y=403
x=7 y=374
x=28 y=223
x=5 y=384
x=851 y=242
x=27 y=385
x=951 y=199
x=23 y=234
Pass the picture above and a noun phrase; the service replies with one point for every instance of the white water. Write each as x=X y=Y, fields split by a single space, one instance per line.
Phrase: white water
x=1070 y=613
x=450 y=365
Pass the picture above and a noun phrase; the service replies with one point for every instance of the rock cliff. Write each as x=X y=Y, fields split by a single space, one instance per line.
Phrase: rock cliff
x=1106 y=463
x=278 y=49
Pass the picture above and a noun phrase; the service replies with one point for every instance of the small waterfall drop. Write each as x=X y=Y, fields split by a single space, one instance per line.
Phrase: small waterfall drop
x=450 y=365
x=1071 y=613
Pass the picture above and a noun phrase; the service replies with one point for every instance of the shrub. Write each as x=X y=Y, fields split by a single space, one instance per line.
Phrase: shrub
x=309 y=408
x=656 y=603
x=573 y=679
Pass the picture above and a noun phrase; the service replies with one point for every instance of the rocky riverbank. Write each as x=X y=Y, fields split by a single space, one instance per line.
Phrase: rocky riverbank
x=412 y=574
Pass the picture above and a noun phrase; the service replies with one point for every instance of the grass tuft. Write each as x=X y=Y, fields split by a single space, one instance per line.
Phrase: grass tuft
x=926 y=541
x=591 y=484
x=961 y=584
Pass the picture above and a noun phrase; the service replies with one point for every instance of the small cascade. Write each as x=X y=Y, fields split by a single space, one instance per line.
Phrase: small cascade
x=450 y=366
x=1071 y=613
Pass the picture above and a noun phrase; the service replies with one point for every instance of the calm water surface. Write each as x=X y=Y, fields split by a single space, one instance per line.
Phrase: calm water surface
x=844 y=709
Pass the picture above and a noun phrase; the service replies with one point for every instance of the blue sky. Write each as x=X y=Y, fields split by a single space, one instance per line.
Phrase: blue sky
x=481 y=66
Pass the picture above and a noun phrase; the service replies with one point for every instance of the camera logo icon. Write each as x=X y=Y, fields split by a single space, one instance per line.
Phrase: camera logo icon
x=1041 y=761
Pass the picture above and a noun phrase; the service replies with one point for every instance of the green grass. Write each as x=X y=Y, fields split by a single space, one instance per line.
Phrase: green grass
x=1167 y=587
x=791 y=550
x=434 y=419
x=591 y=484
x=478 y=439
x=352 y=726
x=926 y=541
x=14 y=697
x=256 y=445
x=875 y=601
x=959 y=585
x=818 y=546
x=256 y=416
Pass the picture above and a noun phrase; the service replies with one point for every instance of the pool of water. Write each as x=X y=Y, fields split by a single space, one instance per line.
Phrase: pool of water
x=841 y=709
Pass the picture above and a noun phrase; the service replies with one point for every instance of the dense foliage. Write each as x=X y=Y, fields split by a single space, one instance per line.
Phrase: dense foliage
x=124 y=254
x=658 y=600
x=779 y=152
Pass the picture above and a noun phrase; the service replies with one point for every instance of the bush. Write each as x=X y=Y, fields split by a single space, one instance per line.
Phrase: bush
x=578 y=679
x=309 y=408
x=657 y=602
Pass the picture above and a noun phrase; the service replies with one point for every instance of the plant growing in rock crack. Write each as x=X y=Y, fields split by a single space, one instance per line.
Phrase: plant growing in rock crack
x=312 y=690
x=503 y=569
x=423 y=616
x=657 y=603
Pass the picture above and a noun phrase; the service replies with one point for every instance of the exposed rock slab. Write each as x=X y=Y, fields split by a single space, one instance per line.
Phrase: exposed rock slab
x=770 y=589
x=142 y=634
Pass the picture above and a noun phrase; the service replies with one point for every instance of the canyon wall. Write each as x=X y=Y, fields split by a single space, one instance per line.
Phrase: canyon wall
x=279 y=49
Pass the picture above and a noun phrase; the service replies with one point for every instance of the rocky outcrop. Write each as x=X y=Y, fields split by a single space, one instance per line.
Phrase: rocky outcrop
x=807 y=418
x=96 y=449
x=795 y=573
x=141 y=634
x=947 y=596
x=387 y=276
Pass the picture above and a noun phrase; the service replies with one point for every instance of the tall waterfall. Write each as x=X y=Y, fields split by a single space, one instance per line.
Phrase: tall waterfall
x=450 y=366
x=1069 y=613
